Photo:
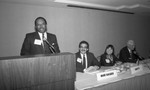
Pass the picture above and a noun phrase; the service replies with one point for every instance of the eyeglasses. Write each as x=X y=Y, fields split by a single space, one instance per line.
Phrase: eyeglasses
x=83 y=47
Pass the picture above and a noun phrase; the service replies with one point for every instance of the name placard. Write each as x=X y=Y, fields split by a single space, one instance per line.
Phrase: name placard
x=136 y=69
x=106 y=75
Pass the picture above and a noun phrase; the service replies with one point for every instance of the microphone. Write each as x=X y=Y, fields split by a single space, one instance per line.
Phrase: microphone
x=135 y=52
x=138 y=56
x=146 y=64
x=50 y=46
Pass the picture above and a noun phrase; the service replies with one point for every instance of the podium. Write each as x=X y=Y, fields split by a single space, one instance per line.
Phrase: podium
x=40 y=72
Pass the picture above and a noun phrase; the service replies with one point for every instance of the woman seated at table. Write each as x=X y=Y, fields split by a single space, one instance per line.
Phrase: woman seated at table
x=108 y=58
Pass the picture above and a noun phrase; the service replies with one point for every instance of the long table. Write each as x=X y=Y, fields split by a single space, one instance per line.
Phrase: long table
x=124 y=80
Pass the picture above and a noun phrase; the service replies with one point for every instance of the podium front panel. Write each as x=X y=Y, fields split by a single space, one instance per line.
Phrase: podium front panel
x=41 y=72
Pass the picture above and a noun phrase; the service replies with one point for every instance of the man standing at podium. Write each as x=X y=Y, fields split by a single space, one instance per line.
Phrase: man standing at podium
x=40 y=41
x=85 y=60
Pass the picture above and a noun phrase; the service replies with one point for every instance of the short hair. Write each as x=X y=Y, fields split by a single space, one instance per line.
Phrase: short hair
x=85 y=42
x=40 y=18
x=131 y=42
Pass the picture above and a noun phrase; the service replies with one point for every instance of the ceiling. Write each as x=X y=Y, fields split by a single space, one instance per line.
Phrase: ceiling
x=141 y=7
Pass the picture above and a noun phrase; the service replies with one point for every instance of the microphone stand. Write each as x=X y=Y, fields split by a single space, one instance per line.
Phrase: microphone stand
x=138 y=57
x=50 y=46
x=146 y=64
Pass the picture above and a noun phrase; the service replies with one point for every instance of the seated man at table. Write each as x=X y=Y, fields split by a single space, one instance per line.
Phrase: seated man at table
x=85 y=60
x=129 y=53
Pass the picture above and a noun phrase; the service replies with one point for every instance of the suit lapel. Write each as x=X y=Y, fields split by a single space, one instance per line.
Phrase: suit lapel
x=78 y=55
x=49 y=38
x=129 y=54
x=36 y=36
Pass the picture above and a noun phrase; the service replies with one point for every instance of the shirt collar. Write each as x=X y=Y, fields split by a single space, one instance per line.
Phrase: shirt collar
x=82 y=55
x=40 y=34
x=130 y=51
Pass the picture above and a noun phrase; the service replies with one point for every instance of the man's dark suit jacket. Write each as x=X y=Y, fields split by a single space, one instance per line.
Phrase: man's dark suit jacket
x=91 y=61
x=30 y=48
x=125 y=56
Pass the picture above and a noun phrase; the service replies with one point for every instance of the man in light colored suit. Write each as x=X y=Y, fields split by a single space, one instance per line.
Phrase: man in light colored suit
x=40 y=41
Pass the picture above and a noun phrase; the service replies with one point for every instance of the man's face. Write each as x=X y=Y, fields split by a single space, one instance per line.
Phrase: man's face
x=131 y=45
x=83 y=48
x=41 y=26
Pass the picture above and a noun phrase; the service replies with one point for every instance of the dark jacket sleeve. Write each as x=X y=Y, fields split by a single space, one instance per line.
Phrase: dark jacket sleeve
x=79 y=69
x=136 y=55
x=94 y=61
x=56 y=45
x=123 y=55
x=25 y=50
x=102 y=60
